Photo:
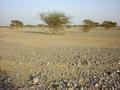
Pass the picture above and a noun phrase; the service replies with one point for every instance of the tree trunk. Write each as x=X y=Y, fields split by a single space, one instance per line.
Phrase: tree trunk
x=54 y=30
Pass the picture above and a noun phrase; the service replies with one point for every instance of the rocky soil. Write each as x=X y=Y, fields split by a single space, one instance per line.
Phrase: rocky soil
x=61 y=68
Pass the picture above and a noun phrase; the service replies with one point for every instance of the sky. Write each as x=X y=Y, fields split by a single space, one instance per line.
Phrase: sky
x=28 y=11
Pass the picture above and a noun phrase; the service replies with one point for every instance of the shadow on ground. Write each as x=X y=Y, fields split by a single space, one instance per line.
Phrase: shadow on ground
x=45 y=33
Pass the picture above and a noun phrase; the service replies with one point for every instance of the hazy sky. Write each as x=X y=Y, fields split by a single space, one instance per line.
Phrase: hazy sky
x=28 y=10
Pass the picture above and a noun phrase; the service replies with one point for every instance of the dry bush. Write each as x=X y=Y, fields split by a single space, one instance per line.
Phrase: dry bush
x=85 y=29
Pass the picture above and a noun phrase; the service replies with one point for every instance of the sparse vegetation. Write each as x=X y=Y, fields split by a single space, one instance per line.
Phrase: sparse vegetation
x=109 y=24
x=55 y=20
x=29 y=26
x=68 y=26
x=16 y=24
x=88 y=25
x=43 y=48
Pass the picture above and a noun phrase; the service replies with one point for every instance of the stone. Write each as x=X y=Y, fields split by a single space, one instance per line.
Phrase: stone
x=20 y=63
x=35 y=80
x=96 y=85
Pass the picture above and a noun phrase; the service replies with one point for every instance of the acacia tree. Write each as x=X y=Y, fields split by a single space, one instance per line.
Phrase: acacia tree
x=109 y=24
x=16 y=24
x=89 y=24
x=55 y=20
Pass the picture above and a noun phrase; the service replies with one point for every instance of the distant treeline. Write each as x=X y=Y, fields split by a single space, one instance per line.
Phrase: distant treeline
x=106 y=24
x=58 y=20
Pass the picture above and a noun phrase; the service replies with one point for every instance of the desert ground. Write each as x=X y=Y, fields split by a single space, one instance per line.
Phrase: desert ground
x=74 y=37
x=34 y=57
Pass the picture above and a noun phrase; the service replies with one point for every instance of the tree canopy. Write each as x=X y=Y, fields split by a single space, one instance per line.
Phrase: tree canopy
x=109 y=24
x=55 y=20
x=16 y=23
x=89 y=24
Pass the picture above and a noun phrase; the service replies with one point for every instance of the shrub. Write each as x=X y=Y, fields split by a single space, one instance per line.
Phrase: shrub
x=68 y=26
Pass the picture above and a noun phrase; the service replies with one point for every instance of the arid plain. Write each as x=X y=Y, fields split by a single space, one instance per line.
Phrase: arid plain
x=65 y=55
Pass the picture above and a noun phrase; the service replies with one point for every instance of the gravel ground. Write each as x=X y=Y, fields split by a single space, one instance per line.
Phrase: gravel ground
x=62 y=68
